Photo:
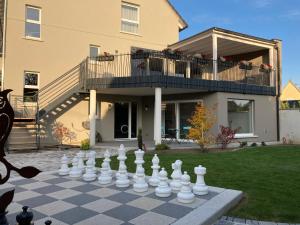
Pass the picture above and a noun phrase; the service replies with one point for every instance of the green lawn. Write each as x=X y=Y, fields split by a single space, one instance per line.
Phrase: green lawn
x=269 y=177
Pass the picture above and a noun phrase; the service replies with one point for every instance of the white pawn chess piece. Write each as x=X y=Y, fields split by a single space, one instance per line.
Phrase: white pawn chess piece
x=122 y=158
x=80 y=156
x=154 y=179
x=185 y=195
x=163 y=190
x=90 y=174
x=122 y=179
x=140 y=184
x=139 y=161
x=92 y=155
x=200 y=187
x=75 y=172
x=64 y=169
x=105 y=177
x=107 y=159
x=175 y=184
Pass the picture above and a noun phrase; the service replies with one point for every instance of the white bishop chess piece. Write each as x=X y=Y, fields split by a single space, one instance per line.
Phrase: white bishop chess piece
x=107 y=159
x=200 y=187
x=64 y=169
x=163 y=190
x=139 y=161
x=90 y=174
x=105 y=177
x=80 y=156
x=176 y=176
x=185 y=195
x=154 y=179
x=122 y=158
x=140 y=184
x=75 y=172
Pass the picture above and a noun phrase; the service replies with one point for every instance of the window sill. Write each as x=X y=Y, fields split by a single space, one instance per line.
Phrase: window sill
x=33 y=39
x=134 y=34
x=242 y=136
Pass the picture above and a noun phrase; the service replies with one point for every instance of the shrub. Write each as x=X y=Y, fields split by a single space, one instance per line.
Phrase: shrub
x=263 y=143
x=85 y=144
x=161 y=147
x=140 y=139
x=253 y=144
x=226 y=135
x=243 y=144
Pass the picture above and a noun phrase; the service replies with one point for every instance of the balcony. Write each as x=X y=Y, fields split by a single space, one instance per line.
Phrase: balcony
x=171 y=70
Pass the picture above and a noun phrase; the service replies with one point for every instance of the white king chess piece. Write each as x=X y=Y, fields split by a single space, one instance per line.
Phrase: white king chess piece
x=176 y=176
x=75 y=172
x=154 y=179
x=139 y=161
x=64 y=169
x=200 y=187
x=107 y=159
x=185 y=195
x=80 y=156
x=105 y=177
x=140 y=184
x=122 y=158
x=90 y=174
x=163 y=190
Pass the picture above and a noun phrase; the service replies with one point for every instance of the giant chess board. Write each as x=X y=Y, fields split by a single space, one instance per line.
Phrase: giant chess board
x=73 y=201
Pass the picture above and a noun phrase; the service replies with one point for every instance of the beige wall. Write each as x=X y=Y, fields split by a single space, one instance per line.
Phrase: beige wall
x=290 y=92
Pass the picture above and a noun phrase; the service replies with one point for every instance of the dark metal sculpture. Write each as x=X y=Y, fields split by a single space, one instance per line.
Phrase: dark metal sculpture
x=6 y=122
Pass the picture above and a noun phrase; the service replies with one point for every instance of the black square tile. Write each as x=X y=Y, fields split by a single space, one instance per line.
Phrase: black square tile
x=81 y=199
x=48 y=189
x=56 y=180
x=22 y=181
x=123 y=197
x=172 y=210
x=209 y=196
x=74 y=215
x=125 y=212
x=86 y=188
x=37 y=201
x=171 y=197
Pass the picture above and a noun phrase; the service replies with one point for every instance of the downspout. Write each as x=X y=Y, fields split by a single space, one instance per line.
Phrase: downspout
x=278 y=92
x=4 y=44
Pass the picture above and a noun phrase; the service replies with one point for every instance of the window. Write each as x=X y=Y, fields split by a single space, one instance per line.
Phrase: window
x=33 y=22
x=240 y=115
x=130 y=18
x=31 y=86
x=94 y=51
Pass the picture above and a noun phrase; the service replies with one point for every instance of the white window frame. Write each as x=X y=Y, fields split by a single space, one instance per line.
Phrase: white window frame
x=131 y=21
x=39 y=22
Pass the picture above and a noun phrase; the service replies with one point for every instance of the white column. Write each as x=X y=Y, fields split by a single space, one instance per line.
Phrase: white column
x=271 y=63
x=157 y=116
x=177 y=115
x=93 y=106
x=188 y=69
x=215 y=56
x=129 y=119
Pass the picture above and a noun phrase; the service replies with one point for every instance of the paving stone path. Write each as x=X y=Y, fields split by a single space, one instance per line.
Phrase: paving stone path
x=227 y=220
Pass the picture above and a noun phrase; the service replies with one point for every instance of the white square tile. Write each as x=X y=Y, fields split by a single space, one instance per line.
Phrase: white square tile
x=151 y=218
x=103 y=192
x=100 y=220
x=101 y=205
x=25 y=195
x=63 y=194
x=34 y=185
x=70 y=184
x=145 y=203
x=54 y=207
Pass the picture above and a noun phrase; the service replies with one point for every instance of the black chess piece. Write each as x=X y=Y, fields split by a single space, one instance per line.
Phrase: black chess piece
x=6 y=119
x=25 y=217
x=48 y=222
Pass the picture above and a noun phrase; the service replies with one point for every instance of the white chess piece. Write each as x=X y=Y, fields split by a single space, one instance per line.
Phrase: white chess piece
x=122 y=178
x=92 y=155
x=200 y=187
x=64 y=169
x=75 y=172
x=90 y=174
x=176 y=176
x=107 y=159
x=140 y=184
x=105 y=177
x=121 y=157
x=154 y=179
x=163 y=190
x=80 y=156
x=139 y=161
x=185 y=195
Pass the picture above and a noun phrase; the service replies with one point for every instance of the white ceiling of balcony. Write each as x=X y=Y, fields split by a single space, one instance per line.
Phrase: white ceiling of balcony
x=225 y=47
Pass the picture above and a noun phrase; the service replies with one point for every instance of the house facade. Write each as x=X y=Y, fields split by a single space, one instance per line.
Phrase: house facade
x=102 y=69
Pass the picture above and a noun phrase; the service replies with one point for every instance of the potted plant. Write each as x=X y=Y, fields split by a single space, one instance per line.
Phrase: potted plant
x=245 y=65
x=265 y=67
x=140 y=54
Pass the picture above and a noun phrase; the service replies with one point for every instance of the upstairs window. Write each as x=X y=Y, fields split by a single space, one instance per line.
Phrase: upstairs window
x=33 y=22
x=130 y=18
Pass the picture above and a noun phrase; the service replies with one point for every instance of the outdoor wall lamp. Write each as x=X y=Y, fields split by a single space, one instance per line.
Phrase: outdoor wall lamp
x=146 y=108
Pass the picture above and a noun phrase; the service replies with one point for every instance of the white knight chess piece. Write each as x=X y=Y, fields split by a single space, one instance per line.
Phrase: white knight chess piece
x=200 y=187
x=176 y=176
x=105 y=177
x=90 y=174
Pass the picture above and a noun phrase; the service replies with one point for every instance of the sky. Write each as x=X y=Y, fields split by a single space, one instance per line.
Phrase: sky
x=279 y=19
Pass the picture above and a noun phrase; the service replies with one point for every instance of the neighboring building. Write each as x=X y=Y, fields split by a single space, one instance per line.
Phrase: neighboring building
x=290 y=96
x=98 y=67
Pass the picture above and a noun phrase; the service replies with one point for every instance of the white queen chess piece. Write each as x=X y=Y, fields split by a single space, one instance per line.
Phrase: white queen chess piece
x=105 y=177
x=163 y=190
x=64 y=169
x=107 y=159
x=185 y=195
x=80 y=156
x=154 y=179
x=139 y=161
x=175 y=184
x=200 y=187
x=122 y=158
x=75 y=172
x=90 y=174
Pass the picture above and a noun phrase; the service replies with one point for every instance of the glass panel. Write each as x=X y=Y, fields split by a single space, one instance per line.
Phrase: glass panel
x=186 y=111
x=133 y=120
x=240 y=116
x=32 y=14
x=129 y=27
x=32 y=30
x=30 y=95
x=31 y=79
x=94 y=51
x=169 y=120
x=129 y=13
x=121 y=120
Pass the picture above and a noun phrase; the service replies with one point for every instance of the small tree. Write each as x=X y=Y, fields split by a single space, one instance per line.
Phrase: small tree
x=226 y=135
x=140 y=139
x=62 y=133
x=202 y=120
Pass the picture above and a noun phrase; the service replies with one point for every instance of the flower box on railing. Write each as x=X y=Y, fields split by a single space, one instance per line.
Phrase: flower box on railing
x=140 y=55
x=245 y=65
x=103 y=58
x=265 y=68
x=201 y=61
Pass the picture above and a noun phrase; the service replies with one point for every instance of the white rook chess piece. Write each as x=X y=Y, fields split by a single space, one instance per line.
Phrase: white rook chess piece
x=176 y=176
x=90 y=174
x=64 y=169
x=122 y=178
x=185 y=195
x=121 y=157
x=80 y=156
x=107 y=159
x=154 y=179
x=140 y=184
x=200 y=187
x=75 y=172
x=163 y=190
x=105 y=177
x=139 y=161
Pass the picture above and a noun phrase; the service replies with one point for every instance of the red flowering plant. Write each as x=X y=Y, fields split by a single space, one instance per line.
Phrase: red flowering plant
x=61 y=133
x=226 y=135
